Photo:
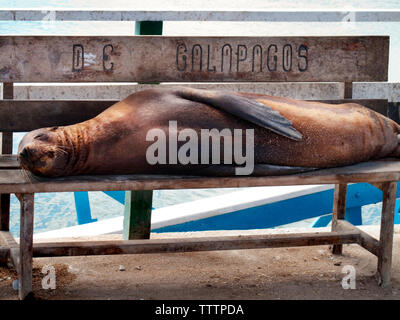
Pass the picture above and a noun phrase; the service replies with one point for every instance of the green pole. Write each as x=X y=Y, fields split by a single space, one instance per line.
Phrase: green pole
x=138 y=204
x=148 y=28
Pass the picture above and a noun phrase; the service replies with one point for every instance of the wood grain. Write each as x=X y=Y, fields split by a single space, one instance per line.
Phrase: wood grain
x=26 y=245
x=27 y=115
x=158 y=58
x=366 y=241
x=192 y=244
x=386 y=234
x=339 y=210
x=6 y=148
x=19 y=181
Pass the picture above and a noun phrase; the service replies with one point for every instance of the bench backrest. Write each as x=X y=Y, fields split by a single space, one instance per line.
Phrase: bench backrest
x=153 y=59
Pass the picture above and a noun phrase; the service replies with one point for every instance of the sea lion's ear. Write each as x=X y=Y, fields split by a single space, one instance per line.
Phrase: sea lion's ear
x=243 y=108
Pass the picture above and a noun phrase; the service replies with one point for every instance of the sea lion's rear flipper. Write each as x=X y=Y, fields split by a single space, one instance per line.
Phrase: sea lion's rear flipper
x=223 y=170
x=243 y=108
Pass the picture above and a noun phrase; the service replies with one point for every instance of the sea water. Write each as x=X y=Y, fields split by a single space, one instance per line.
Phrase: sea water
x=57 y=210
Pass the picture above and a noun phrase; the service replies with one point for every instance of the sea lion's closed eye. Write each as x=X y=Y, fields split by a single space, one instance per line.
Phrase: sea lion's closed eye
x=41 y=136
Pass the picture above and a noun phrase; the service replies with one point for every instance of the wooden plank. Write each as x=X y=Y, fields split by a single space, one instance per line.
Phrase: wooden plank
x=366 y=241
x=386 y=234
x=393 y=111
x=9 y=161
x=120 y=90
x=19 y=181
x=6 y=148
x=191 y=244
x=26 y=115
x=348 y=90
x=339 y=210
x=26 y=245
x=137 y=214
x=9 y=248
x=157 y=58
x=8 y=240
x=378 y=185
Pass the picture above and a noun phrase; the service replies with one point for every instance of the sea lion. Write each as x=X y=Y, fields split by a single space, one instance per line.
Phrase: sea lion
x=289 y=135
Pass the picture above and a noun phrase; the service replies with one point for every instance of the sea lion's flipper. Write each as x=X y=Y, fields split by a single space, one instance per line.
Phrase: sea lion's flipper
x=243 y=108
x=224 y=170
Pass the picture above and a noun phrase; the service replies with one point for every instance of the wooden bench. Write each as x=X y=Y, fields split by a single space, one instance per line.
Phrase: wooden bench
x=181 y=59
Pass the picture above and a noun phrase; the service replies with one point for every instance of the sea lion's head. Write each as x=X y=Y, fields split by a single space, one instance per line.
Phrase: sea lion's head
x=40 y=151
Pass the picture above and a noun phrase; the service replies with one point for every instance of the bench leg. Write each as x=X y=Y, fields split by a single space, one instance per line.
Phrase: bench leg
x=137 y=214
x=6 y=148
x=339 y=210
x=4 y=212
x=26 y=245
x=386 y=234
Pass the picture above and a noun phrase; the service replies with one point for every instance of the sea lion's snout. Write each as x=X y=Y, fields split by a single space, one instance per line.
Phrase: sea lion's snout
x=24 y=154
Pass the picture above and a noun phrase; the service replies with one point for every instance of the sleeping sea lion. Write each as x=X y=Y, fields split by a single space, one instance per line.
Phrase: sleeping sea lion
x=289 y=135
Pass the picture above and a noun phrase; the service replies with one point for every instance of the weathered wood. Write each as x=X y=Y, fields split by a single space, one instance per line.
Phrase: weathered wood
x=19 y=181
x=26 y=245
x=348 y=90
x=137 y=214
x=9 y=161
x=26 y=115
x=156 y=59
x=386 y=234
x=393 y=111
x=118 y=91
x=9 y=247
x=192 y=244
x=339 y=210
x=6 y=142
x=365 y=240
x=6 y=148
x=378 y=185
x=4 y=211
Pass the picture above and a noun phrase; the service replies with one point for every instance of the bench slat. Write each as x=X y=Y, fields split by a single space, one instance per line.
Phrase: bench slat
x=26 y=115
x=9 y=161
x=193 y=244
x=19 y=181
x=176 y=59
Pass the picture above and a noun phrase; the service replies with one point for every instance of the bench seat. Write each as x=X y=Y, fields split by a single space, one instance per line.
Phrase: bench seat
x=15 y=180
x=194 y=60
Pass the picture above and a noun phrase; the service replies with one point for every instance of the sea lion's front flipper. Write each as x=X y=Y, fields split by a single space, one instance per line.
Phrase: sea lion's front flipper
x=224 y=170
x=243 y=108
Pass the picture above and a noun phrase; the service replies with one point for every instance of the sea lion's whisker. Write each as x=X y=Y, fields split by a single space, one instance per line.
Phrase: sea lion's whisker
x=62 y=149
x=29 y=175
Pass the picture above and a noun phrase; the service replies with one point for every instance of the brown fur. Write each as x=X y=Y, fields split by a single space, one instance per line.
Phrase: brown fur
x=114 y=142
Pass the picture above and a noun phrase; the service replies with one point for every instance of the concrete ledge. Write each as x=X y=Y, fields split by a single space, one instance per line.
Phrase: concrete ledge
x=114 y=13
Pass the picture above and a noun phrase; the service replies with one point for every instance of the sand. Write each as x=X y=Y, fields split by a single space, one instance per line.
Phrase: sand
x=281 y=273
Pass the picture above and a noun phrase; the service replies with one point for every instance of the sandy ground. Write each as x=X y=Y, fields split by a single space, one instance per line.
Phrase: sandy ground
x=281 y=273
